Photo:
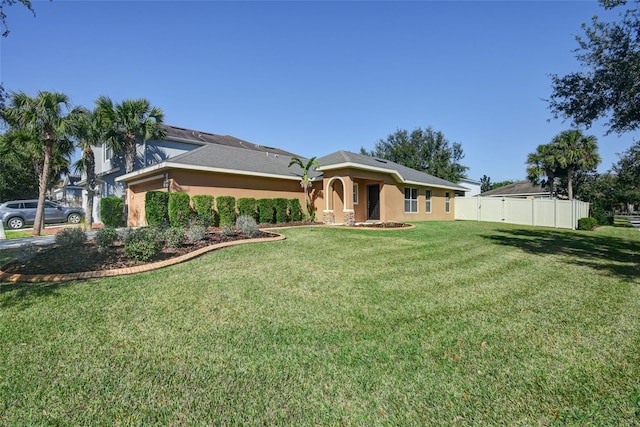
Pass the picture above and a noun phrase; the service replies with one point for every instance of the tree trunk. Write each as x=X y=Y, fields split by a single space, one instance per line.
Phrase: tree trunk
x=569 y=184
x=129 y=153
x=42 y=190
x=90 y=163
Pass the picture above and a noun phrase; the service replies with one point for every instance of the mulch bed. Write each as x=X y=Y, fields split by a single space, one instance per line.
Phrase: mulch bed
x=55 y=260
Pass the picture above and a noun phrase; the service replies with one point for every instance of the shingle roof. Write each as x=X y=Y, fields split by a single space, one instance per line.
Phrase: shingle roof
x=183 y=134
x=520 y=188
x=402 y=173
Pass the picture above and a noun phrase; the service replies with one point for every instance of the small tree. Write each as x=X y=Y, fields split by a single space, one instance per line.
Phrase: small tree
x=306 y=181
x=112 y=211
x=156 y=207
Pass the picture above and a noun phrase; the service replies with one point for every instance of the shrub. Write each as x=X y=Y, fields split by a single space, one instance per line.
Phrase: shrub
x=179 y=209
x=112 y=211
x=196 y=232
x=228 y=230
x=280 y=205
x=227 y=210
x=295 y=210
x=602 y=212
x=203 y=205
x=247 y=207
x=142 y=244
x=247 y=226
x=71 y=238
x=156 y=207
x=266 y=211
x=587 y=223
x=106 y=237
x=174 y=237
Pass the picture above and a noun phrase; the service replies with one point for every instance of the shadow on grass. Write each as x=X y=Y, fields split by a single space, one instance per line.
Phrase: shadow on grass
x=23 y=294
x=619 y=257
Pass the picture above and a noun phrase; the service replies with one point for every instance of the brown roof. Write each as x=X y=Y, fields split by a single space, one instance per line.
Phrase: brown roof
x=520 y=188
x=177 y=133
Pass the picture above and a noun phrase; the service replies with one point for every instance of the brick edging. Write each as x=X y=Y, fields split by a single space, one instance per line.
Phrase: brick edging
x=56 y=278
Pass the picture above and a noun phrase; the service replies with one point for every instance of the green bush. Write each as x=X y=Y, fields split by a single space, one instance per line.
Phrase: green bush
x=602 y=212
x=227 y=210
x=105 y=238
x=71 y=238
x=203 y=205
x=196 y=232
x=247 y=207
x=179 y=209
x=142 y=244
x=247 y=226
x=280 y=205
x=174 y=237
x=112 y=211
x=295 y=210
x=228 y=231
x=156 y=207
x=266 y=211
x=587 y=223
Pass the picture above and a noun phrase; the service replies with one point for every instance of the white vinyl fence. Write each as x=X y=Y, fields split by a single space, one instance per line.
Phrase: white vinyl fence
x=538 y=212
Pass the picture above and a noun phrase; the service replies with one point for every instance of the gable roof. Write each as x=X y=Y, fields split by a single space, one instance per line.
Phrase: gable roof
x=402 y=174
x=179 y=134
x=226 y=159
x=517 y=189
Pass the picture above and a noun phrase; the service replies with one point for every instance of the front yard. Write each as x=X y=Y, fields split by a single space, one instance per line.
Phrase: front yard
x=450 y=323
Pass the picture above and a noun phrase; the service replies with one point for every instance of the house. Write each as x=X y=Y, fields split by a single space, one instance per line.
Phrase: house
x=110 y=166
x=346 y=188
x=521 y=189
x=473 y=187
x=69 y=192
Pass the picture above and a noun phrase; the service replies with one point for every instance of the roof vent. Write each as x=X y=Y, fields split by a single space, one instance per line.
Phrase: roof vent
x=380 y=160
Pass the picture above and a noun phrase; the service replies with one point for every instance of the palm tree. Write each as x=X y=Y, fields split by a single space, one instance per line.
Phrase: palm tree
x=305 y=180
x=43 y=118
x=542 y=167
x=131 y=120
x=89 y=129
x=575 y=152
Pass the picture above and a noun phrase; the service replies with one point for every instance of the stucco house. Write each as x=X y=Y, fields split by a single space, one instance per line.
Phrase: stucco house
x=346 y=188
x=521 y=190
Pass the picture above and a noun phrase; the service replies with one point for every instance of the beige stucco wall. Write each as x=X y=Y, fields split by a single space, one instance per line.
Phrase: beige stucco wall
x=218 y=184
x=391 y=197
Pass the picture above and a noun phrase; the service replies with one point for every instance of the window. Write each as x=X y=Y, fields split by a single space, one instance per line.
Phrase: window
x=447 y=202
x=428 y=197
x=108 y=152
x=355 y=193
x=411 y=200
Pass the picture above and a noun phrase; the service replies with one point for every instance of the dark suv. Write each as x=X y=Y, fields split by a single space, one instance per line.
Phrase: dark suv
x=17 y=213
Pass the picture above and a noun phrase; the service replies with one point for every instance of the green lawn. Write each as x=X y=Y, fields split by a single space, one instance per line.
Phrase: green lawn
x=450 y=323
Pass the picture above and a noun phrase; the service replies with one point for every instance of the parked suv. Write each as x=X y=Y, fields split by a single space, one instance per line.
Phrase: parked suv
x=17 y=213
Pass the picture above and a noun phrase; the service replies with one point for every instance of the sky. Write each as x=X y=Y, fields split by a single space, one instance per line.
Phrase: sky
x=316 y=77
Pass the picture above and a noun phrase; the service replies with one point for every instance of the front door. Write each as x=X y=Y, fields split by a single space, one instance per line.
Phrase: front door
x=373 y=201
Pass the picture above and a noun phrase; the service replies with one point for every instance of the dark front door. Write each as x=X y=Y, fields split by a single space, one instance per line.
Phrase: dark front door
x=373 y=201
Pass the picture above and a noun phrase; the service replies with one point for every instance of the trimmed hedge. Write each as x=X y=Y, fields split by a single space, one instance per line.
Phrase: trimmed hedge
x=111 y=211
x=156 y=207
x=203 y=204
x=179 y=209
x=227 y=210
x=266 y=211
x=280 y=205
x=247 y=207
x=295 y=210
x=587 y=223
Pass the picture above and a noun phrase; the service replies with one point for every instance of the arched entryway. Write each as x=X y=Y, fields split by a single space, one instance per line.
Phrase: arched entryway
x=338 y=210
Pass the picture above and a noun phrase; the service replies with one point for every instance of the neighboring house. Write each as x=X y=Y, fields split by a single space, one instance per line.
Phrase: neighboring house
x=521 y=189
x=110 y=166
x=472 y=186
x=69 y=192
x=346 y=188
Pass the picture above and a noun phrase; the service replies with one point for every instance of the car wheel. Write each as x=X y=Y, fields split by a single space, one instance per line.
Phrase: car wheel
x=15 y=223
x=74 y=218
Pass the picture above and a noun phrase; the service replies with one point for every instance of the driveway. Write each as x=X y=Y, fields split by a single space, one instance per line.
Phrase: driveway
x=635 y=221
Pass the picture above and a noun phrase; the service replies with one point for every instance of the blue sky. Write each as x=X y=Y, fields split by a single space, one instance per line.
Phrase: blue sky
x=316 y=77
